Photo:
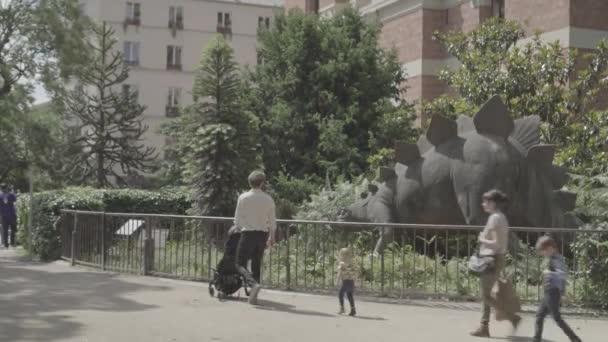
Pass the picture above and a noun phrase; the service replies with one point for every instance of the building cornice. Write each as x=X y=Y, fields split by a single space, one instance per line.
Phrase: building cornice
x=390 y=9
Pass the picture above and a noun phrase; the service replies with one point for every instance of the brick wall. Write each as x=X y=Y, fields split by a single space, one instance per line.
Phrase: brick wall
x=543 y=15
x=432 y=21
x=289 y=4
x=466 y=17
x=590 y=14
x=405 y=35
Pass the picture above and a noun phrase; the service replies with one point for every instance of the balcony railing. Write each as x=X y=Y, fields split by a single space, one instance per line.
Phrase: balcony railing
x=171 y=111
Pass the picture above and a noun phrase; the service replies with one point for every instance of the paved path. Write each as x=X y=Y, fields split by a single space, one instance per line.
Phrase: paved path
x=56 y=302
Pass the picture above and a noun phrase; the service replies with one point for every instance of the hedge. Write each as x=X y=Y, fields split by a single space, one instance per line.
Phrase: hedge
x=45 y=239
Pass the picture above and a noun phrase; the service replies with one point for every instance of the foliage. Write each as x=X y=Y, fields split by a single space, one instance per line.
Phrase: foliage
x=40 y=40
x=325 y=205
x=564 y=86
x=32 y=138
x=44 y=239
x=592 y=258
x=289 y=193
x=584 y=149
x=323 y=86
x=447 y=106
x=216 y=139
x=592 y=197
x=109 y=120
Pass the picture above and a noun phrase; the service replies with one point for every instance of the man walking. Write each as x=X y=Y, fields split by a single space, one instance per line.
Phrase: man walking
x=255 y=215
x=8 y=215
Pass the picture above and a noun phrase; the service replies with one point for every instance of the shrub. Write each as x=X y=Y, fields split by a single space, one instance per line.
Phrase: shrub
x=592 y=261
x=44 y=238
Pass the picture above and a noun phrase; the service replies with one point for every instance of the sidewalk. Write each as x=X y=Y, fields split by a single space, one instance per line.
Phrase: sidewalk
x=56 y=302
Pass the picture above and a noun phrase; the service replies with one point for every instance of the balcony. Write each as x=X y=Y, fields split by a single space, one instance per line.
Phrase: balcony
x=171 y=111
x=175 y=67
x=225 y=30
x=176 y=25
x=132 y=21
x=131 y=63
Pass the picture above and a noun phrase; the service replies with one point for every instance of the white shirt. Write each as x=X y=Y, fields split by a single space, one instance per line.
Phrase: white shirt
x=255 y=211
x=497 y=224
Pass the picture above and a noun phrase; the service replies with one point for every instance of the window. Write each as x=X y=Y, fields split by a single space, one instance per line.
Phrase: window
x=130 y=90
x=174 y=57
x=133 y=15
x=264 y=22
x=498 y=8
x=176 y=17
x=131 y=53
x=173 y=102
x=224 y=24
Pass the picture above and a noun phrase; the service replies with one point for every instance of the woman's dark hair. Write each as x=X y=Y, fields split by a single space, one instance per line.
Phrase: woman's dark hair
x=497 y=197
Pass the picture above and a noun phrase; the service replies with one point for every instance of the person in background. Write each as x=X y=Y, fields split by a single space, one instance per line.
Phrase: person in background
x=347 y=274
x=255 y=216
x=8 y=216
x=555 y=286
x=494 y=240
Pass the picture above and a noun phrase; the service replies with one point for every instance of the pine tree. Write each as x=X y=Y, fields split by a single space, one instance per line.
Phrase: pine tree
x=108 y=117
x=216 y=138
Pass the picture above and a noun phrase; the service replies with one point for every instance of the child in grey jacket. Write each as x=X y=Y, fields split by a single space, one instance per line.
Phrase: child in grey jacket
x=555 y=287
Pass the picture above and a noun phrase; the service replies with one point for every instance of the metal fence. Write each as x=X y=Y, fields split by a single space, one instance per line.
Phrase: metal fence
x=428 y=260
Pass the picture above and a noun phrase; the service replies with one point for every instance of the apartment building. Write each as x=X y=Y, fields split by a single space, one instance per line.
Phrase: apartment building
x=163 y=40
x=408 y=26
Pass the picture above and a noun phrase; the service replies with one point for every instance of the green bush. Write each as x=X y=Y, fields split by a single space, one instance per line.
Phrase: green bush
x=43 y=240
x=592 y=261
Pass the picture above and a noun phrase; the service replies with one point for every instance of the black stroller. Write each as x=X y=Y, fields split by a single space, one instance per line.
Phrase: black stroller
x=226 y=279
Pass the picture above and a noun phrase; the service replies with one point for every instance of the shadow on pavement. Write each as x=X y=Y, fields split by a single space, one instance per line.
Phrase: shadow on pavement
x=33 y=297
x=275 y=306
x=367 y=318
x=519 y=339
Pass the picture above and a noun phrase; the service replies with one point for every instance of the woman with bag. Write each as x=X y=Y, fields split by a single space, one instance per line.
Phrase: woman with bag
x=494 y=240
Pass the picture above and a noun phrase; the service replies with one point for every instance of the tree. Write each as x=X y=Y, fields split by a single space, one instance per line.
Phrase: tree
x=536 y=78
x=107 y=117
x=321 y=92
x=215 y=139
x=40 y=39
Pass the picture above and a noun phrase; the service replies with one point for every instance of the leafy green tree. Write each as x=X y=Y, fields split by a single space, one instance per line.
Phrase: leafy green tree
x=216 y=138
x=40 y=39
x=108 y=118
x=535 y=78
x=321 y=92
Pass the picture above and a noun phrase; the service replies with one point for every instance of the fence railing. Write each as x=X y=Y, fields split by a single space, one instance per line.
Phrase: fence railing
x=429 y=260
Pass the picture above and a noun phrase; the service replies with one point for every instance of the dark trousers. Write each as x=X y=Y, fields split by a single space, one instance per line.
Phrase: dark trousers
x=348 y=287
x=251 y=247
x=9 y=224
x=551 y=305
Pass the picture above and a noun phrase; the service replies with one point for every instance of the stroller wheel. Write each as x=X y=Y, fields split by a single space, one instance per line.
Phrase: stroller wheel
x=246 y=290
x=221 y=295
x=211 y=290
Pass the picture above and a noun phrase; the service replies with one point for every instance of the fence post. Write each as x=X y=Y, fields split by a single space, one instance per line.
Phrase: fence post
x=103 y=241
x=382 y=274
x=288 y=261
x=73 y=244
x=148 y=248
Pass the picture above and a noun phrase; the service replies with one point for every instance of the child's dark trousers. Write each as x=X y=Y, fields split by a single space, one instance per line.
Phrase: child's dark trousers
x=551 y=305
x=348 y=287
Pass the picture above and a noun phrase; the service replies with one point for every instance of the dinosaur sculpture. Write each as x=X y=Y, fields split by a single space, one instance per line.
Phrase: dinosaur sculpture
x=440 y=180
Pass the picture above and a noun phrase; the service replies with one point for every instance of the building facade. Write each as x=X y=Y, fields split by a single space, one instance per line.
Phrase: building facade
x=408 y=26
x=163 y=41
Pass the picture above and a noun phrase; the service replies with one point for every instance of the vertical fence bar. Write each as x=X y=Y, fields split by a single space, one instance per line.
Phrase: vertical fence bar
x=73 y=246
x=103 y=241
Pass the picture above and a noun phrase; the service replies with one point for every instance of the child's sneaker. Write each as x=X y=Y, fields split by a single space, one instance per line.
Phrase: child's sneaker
x=353 y=312
x=342 y=311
